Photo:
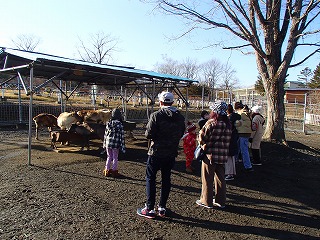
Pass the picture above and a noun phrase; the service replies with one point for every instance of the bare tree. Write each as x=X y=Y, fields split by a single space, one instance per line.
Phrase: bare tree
x=212 y=71
x=99 y=49
x=27 y=42
x=228 y=78
x=273 y=29
x=168 y=66
x=189 y=68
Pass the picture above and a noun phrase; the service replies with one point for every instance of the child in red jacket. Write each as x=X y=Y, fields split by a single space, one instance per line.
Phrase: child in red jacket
x=189 y=145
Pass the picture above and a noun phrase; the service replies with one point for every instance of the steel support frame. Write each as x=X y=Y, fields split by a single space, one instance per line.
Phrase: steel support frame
x=142 y=86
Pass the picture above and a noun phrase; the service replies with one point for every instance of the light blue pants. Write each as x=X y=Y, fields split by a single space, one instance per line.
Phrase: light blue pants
x=244 y=149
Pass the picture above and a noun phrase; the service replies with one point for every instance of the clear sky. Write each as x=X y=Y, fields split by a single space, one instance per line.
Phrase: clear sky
x=144 y=35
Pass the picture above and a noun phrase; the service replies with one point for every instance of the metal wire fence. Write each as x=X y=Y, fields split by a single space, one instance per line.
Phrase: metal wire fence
x=300 y=116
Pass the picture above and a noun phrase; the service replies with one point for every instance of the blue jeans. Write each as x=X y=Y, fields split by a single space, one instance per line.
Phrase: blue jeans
x=155 y=164
x=244 y=149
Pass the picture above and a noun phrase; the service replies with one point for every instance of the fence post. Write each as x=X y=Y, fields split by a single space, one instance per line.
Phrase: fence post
x=19 y=101
x=202 y=97
x=304 y=114
x=30 y=116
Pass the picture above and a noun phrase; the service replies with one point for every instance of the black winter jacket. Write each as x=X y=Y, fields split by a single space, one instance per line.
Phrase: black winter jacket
x=233 y=147
x=165 y=129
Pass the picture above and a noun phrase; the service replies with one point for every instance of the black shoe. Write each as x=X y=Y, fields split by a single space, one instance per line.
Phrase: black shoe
x=229 y=178
x=161 y=212
x=249 y=169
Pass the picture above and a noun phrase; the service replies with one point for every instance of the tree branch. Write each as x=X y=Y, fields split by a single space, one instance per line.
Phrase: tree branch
x=306 y=58
x=184 y=11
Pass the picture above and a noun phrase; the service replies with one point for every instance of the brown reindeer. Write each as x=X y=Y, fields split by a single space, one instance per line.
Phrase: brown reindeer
x=45 y=120
x=98 y=116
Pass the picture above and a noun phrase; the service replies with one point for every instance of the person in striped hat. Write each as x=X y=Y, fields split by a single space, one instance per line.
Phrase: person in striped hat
x=214 y=139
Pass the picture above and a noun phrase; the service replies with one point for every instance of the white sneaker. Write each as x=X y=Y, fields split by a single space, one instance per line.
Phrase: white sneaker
x=217 y=204
x=198 y=202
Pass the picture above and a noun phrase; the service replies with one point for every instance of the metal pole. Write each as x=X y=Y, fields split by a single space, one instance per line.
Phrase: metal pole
x=94 y=91
x=247 y=98
x=66 y=91
x=304 y=113
x=153 y=96
x=122 y=97
x=2 y=88
x=202 y=97
x=125 y=103
x=187 y=103
x=60 y=97
x=19 y=101
x=148 y=112
x=30 y=116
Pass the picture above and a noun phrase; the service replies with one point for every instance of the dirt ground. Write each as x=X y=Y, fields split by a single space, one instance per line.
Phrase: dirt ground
x=63 y=195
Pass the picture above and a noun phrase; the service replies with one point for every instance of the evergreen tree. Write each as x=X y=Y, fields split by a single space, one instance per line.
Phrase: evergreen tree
x=305 y=76
x=315 y=80
x=258 y=86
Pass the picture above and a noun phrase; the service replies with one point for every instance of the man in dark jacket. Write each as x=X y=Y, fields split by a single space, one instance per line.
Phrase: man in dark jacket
x=165 y=129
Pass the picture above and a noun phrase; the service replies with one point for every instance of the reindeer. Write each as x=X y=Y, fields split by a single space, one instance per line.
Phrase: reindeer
x=45 y=120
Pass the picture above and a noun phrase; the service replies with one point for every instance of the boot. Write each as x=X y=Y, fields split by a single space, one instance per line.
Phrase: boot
x=115 y=173
x=256 y=160
x=107 y=173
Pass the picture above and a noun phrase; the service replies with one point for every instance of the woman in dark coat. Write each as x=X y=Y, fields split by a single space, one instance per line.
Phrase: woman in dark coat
x=204 y=118
x=233 y=147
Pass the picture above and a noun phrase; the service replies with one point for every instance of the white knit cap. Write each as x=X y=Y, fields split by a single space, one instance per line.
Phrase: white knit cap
x=256 y=109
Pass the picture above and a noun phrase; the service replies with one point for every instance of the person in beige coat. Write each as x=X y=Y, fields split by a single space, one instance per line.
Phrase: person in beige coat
x=244 y=131
x=256 y=136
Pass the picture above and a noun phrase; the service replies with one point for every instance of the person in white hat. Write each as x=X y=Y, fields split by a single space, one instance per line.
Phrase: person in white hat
x=165 y=129
x=256 y=136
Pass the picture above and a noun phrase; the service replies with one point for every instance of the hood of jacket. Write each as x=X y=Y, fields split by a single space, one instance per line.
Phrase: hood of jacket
x=170 y=112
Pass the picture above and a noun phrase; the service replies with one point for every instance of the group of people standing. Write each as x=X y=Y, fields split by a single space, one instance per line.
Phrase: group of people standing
x=225 y=138
x=247 y=131
x=224 y=135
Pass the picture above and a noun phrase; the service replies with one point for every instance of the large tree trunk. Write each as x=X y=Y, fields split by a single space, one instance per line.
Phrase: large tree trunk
x=276 y=111
x=273 y=76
